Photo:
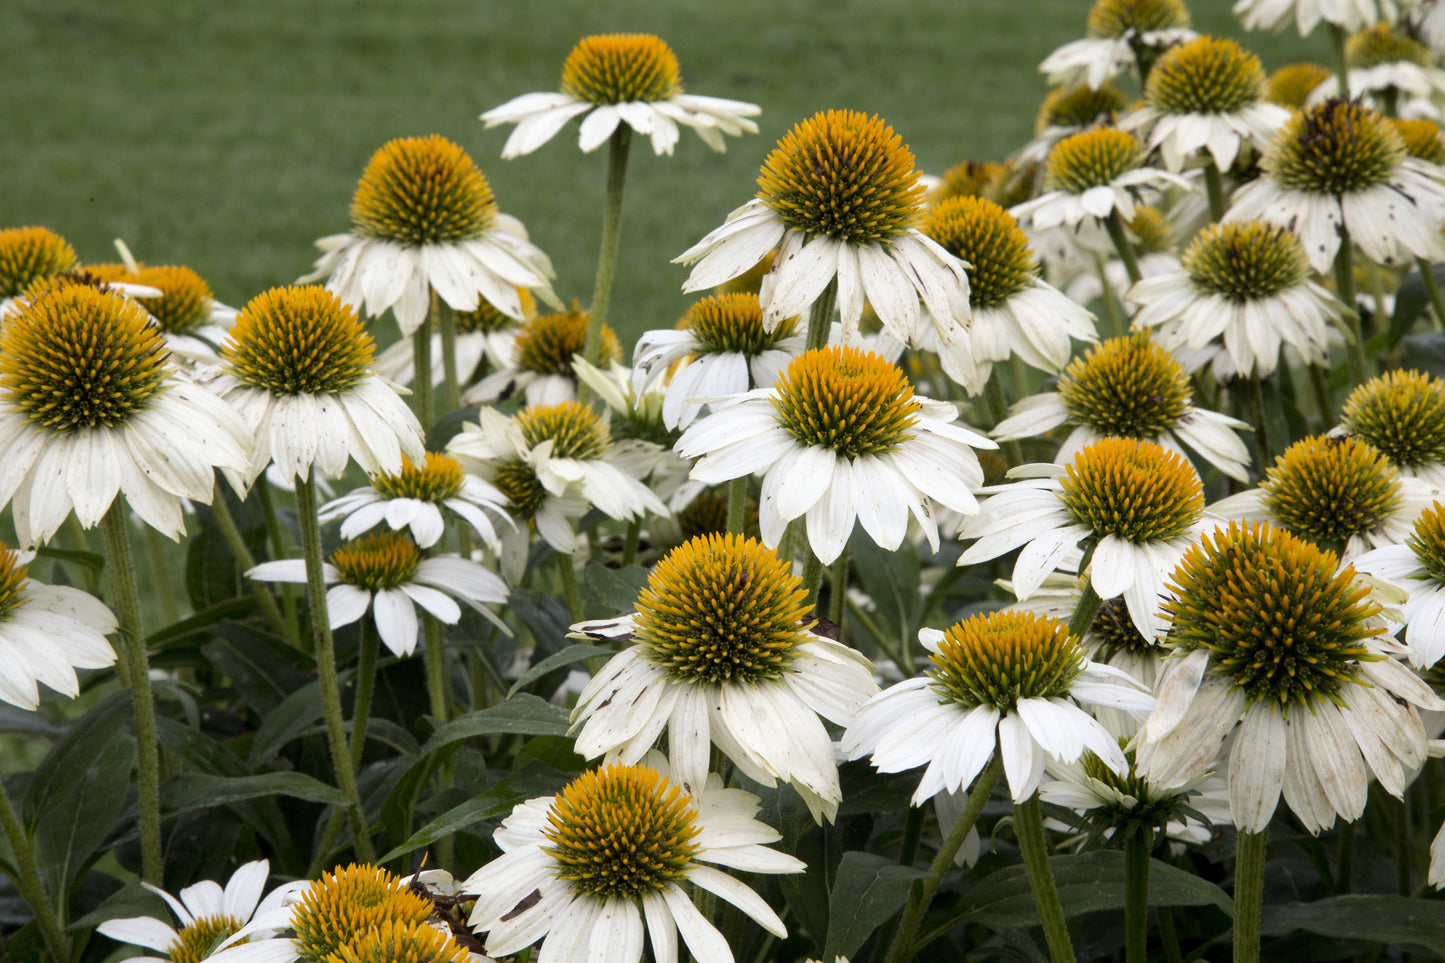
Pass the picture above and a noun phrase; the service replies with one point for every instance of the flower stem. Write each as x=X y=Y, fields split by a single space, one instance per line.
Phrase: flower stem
x=1432 y=288
x=737 y=504
x=365 y=686
x=630 y=540
x=1345 y=289
x=447 y=322
x=1169 y=935
x=908 y=927
x=278 y=550
x=1214 y=187
x=436 y=666
x=568 y=577
x=1342 y=63
x=421 y=390
x=1136 y=895
x=1115 y=227
x=226 y=522
x=326 y=661
x=812 y=575
x=31 y=886
x=1114 y=323
x=839 y=581
x=993 y=394
x=1088 y=607
x=611 y=239
x=1323 y=401
x=133 y=643
x=820 y=316
x=1261 y=428
x=1029 y=826
x=1248 y=895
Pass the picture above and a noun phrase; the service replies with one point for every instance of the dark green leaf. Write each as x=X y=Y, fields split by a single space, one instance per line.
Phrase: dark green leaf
x=867 y=890
x=130 y=901
x=197 y=790
x=201 y=624
x=1393 y=920
x=544 y=617
x=1426 y=352
x=74 y=824
x=523 y=714
x=891 y=580
x=569 y=655
x=263 y=668
x=1411 y=300
x=612 y=590
x=64 y=768
x=88 y=560
x=299 y=712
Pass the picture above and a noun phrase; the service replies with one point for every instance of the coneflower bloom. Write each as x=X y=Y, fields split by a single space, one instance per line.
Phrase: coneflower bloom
x=1402 y=414
x=1113 y=31
x=28 y=255
x=1418 y=567
x=46 y=633
x=540 y=363
x=1307 y=14
x=413 y=499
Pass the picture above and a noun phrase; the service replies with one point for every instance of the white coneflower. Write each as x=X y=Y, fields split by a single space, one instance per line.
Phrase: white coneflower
x=1418 y=567
x=28 y=255
x=540 y=364
x=413 y=499
x=1402 y=414
x=1307 y=14
x=46 y=633
x=1114 y=30
x=1393 y=68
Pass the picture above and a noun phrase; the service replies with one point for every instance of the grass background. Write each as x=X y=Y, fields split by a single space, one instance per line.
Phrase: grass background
x=229 y=135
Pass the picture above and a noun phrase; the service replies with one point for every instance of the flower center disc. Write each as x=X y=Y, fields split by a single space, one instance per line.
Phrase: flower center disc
x=356 y=899
x=1422 y=138
x=618 y=68
x=547 y=344
x=422 y=190
x=1402 y=414
x=299 y=340
x=1114 y=630
x=185 y=299
x=1080 y=106
x=383 y=560
x=196 y=941
x=1246 y=261
x=733 y=323
x=985 y=235
x=519 y=482
x=1426 y=540
x=1132 y=489
x=12 y=582
x=845 y=175
x=853 y=402
x=967 y=179
x=1001 y=657
x=575 y=430
x=1383 y=44
x=486 y=319
x=622 y=831
x=77 y=357
x=28 y=254
x=719 y=609
x=1091 y=159
x=1296 y=642
x=1129 y=386
x=1329 y=489
x=1291 y=86
x=440 y=477
x=1110 y=19
x=1206 y=75
x=1336 y=147
x=395 y=941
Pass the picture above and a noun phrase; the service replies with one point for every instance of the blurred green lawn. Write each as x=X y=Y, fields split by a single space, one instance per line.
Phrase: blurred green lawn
x=229 y=135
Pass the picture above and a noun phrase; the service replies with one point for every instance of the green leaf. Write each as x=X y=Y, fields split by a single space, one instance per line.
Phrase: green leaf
x=200 y=624
x=75 y=823
x=128 y=902
x=198 y=790
x=1411 y=300
x=569 y=655
x=299 y=712
x=1426 y=352
x=891 y=580
x=524 y=715
x=1393 y=920
x=264 y=668
x=544 y=617
x=89 y=560
x=613 y=590
x=867 y=890
x=64 y=768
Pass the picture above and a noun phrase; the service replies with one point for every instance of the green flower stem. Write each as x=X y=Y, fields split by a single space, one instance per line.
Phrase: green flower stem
x=839 y=598
x=1088 y=607
x=1169 y=935
x=73 y=537
x=1248 y=895
x=737 y=504
x=113 y=528
x=421 y=390
x=226 y=522
x=993 y=394
x=161 y=569
x=1029 y=826
x=436 y=666
x=1136 y=895
x=32 y=887
x=1345 y=289
x=326 y=662
x=447 y=323
x=902 y=947
x=365 y=686
x=1432 y=288
x=1114 y=324
x=857 y=614
x=812 y=576
x=1342 y=63
x=820 y=316
x=568 y=576
x=611 y=240
x=1345 y=877
x=1214 y=186
x=1121 y=243
x=629 y=543
x=1261 y=424
x=279 y=550
x=1323 y=400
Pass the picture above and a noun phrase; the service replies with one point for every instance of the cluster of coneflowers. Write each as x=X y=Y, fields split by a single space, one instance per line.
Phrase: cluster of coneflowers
x=1133 y=400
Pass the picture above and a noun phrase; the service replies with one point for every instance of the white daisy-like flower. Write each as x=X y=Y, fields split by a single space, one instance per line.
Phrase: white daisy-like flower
x=1097 y=174
x=207 y=914
x=29 y=255
x=596 y=870
x=1010 y=681
x=424 y=220
x=1338 y=492
x=1136 y=503
x=1305 y=672
x=1401 y=413
x=1417 y=566
x=298 y=367
x=485 y=335
x=540 y=365
x=725 y=349
x=179 y=300
x=722 y=656
x=1341 y=167
x=413 y=500
x=91 y=408
x=386 y=574
x=1066 y=111
x=1391 y=66
x=840 y=438
x=839 y=198
x=1307 y=14
x=621 y=78
x=1250 y=284
x=1206 y=94
x=46 y=633
x=1129 y=387
x=1115 y=33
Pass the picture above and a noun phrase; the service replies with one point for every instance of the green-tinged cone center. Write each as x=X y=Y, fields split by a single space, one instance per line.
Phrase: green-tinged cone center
x=1402 y=414
x=1110 y=19
x=575 y=430
x=356 y=899
x=1422 y=138
x=1206 y=75
x=440 y=477
x=299 y=340
x=486 y=319
x=622 y=831
x=707 y=514
x=397 y=941
x=1093 y=158
x=1336 y=147
x=1114 y=631
x=12 y=582
x=28 y=254
x=1080 y=106
x=1001 y=657
x=618 y=68
x=967 y=179
x=198 y=940
x=987 y=237
x=547 y=344
x=1329 y=489
x=721 y=609
x=1246 y=261
x=1151 y=805
x=76 y=357
x=1132 y=489
x=384 y=560
x=422 y=190
x=1427 y=541
x=850 y=401
x=733 y=324
x=844 y=175
x=1276 y=617
x=185 y=301
x=1151 y=230
x=1129 y=387
x=1384 y=44
x=1292 y=85
x=519 y=482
